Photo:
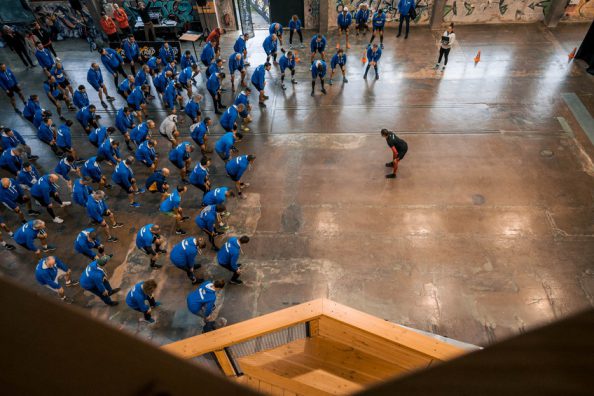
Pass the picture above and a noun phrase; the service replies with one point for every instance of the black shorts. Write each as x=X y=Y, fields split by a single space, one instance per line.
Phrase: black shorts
x=343 y=29
x=11 y=91
x=380 y=28
x=66 y=148
x=402 y=152
x=234 y=177
x=64 y=83
x=149 y=250
x=59 y=97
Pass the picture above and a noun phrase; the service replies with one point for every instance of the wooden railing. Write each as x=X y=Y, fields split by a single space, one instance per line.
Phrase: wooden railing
x=403 y=348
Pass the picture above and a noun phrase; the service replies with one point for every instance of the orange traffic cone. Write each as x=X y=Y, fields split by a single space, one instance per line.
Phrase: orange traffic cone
x=572 y=55
x=477 y=58
x=364 y=58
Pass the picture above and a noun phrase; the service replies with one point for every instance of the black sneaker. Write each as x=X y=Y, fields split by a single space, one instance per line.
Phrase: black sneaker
x=34 y=212
x=108 y=186
x=236 y=282
x=114 y=291
x=113 y=303
x=391 y=176
x=324 y=91
x=110 y=98
x=33 y=157
x=103 y=104
x=48 y=248
x=117 y=225
x=389 y=164
x=180 y=232
x=8 y=246
x=112 y=239
x=156 y=266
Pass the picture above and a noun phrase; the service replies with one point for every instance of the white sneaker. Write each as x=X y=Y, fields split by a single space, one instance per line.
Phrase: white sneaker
x=66 y=203
x=58 y=220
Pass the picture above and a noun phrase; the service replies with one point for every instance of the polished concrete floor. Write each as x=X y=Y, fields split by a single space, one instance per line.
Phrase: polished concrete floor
x=481 y=236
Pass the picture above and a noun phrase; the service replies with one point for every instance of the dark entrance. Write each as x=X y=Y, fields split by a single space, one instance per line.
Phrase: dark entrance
x=282 y=10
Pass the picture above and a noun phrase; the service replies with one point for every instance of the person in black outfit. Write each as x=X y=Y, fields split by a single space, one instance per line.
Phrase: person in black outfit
x=143 y=12
x=399 y=149
x=16 y=42
x=45 y=36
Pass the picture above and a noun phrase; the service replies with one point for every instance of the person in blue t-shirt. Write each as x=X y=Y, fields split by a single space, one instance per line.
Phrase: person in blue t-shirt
x=94 y=280
x=405 y=8
x=236 y=167
x=180 y=156
x=338 y=60
x=259 y=81
x=318 y=45
x=199 y=133
x=361 y=18
x=10 y=85
x=139 y=295
x=49 y=270
x=226 y=144
x=200 y=175
x=149 y=241
x=202 y=302
x=171 y=206
x=344 y=21
x=318 y=70
x=295 y=25
x=213 y=85
x=270 y=46
x=287 y=61
x=210 y=221
x=377 y=23
x=183 y=256
x=26 y=234
x=373 y=56
x=228 y=256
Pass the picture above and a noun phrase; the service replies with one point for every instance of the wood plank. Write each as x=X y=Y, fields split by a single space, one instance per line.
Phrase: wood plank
x=396 y=354
x=243 y=331
x=328 y=382
x=314 y=327
x=336 y=356
x=276 y=390
x=390 y=331
x=285 y=383
x=288 y=393
x=265 y=387
x=225 y=363
x=252 y=382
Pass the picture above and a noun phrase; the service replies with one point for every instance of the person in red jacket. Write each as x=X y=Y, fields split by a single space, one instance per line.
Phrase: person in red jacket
x=109 y=27
x=122 y=19
x=214 y=37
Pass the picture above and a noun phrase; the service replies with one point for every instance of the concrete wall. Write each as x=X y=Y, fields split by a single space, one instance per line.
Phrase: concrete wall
x=311 y=13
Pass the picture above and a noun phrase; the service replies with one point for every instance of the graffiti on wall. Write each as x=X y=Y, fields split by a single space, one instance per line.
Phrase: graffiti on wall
x=225 y=11
x=472 y=11
x=180 y=10
x=312 y=13
x=579 y=10
x=390 y=7
x=63 y=21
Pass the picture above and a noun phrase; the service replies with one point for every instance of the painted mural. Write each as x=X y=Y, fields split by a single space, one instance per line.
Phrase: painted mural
x=579 y=10
x=495 y=11
x=226 y=16
x=390 y=7
x=63 y=21
x=312 y=14
x=180 y=9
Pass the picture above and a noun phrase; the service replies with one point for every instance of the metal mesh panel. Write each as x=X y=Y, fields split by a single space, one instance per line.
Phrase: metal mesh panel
x=207 y=362
x=269 y=341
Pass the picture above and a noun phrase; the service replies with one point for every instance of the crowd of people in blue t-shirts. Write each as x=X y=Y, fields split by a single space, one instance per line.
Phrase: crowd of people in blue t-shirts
x=173 y=80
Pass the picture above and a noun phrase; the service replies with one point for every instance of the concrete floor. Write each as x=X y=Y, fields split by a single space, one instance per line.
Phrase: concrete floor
x=480 y=238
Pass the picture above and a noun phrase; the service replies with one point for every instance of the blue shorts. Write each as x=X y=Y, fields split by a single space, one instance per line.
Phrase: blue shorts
x=259 y=88
x=125 y=186
x=178 y=165
x=235 y=178
x=244 y=114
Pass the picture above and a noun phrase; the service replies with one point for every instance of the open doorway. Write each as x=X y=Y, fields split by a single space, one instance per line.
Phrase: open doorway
x=260 y=10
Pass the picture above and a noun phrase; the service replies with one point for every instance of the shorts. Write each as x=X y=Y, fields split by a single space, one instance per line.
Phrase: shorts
x=60 y=96
x=402 y=153
x=10 y=91
x=235 y=178
x=98 y=87
x=170 y=214
x=60 y=274
x=26 y=247
x=134 y=107
x=178 y=165
x=149 y=250
x=66 y=148
x=199 y=142
x=223 y=156
x=380 y=28
x=244 y=114
x=127 y=187
x=282 y=69
x=148 y=165
x=41 y=201
x=318 y=50
x=64 y=83
x=96 y=179
x=201 y=187
x=343 y=28
x=258 y=87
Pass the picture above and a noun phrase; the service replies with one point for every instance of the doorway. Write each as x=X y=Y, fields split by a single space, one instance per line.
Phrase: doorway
x=260 y=10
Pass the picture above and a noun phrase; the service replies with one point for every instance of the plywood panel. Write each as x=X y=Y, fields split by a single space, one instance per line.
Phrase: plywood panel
x=391 y=332
x=328 y=382
x=399 y=355
x=282 y=382
x=224 y=362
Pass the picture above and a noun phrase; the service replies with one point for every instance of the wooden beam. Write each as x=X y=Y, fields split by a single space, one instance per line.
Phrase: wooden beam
x=314 y=327
x=243 y=331
x=225 y=363
x=390 y=331
x=267 y=377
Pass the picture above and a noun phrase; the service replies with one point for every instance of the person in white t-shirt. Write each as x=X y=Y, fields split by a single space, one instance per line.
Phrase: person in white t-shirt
x=446 y=41
x=168 y=129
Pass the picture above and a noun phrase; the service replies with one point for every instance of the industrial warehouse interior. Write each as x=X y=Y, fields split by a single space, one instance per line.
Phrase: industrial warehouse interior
x=297 y=197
